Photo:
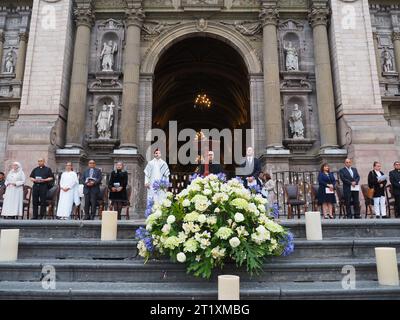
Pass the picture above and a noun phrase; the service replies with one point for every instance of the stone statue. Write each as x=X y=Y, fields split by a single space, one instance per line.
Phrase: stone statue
x=387 y=61
x=105 y=120
x=292 y=58
x=296 y=123
x=107 y=55
x=9 y=66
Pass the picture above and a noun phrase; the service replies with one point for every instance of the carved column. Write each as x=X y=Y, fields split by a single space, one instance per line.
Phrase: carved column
x=396 y=45
x=1 y=49
x=130 y=99
x=19 y=70
x=84 y=16
x=272 y=96
x=377 y=55
x=318 y=16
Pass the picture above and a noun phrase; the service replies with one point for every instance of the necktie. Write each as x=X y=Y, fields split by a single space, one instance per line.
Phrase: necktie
x=206 y=169
x=91 y=173
x=351 y=172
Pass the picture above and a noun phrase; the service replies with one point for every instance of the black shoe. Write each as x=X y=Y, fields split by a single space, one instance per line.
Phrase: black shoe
x=349 y=217
x=86 y=218
x=357 y=217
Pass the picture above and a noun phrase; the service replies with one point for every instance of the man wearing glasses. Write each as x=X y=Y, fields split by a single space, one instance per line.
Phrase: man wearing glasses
x=42 y=178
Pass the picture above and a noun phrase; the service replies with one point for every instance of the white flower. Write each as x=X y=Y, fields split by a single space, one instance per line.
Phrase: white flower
x=217 y=252
x=171 y=219
x=193 y=216
x=167 y=203
x=142 y=249
x=157 y=214
x=207 y=192
x=217 y=210
x=181 y=257
x=234 y=242
x=239 y=217
x=211 y=220
x=166 y=228
x=186 y=203
x=224 y=233
x=202 y=218
x=241 y=231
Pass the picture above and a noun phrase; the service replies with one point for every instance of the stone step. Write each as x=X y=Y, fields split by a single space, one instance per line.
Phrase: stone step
x=299 y=270
x=125 y=249
x=194 y=290
x=364 y=228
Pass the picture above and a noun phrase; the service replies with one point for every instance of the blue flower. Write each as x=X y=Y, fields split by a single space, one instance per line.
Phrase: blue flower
x=193 y=176
x=275 y=210
x=148 y=242
x=255 y=189
x=288 y=241
x=149 y=208
x=221 y=177
x=162 y=184
x=141 y=233
x=239 y=179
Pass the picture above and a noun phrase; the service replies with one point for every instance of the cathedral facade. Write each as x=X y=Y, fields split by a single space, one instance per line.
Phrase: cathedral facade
x=316 y=80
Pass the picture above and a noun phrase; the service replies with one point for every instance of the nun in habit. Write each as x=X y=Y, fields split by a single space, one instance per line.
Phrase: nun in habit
x=14 y=195
x=69 y=192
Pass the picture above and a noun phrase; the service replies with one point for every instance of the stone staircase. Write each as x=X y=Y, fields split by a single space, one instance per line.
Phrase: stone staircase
x=87 y=268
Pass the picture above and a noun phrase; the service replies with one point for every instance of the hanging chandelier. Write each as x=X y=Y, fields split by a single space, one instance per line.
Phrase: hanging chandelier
x=202 y=102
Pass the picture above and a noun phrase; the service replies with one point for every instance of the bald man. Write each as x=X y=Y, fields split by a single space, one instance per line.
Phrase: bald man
x=351 y=179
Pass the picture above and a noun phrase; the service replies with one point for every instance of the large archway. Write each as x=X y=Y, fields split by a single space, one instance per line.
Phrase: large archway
x=201 y=65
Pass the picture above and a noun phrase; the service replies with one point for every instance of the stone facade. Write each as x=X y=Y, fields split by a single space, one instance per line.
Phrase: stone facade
x=348 y=103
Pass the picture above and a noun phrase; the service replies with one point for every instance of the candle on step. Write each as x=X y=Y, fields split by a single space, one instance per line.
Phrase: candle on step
x=228 y=287
x=386 y=264
x=109 y=226
x=313 y=226
x=9 y=239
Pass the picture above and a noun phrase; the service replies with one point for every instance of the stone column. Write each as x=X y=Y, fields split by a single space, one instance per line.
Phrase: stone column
x=272 y=96
x=318 y=16
x=377 y=55
x=84 y=15
x=130 y=99
x=19 y=69
x=1 y=49
x=396 y=45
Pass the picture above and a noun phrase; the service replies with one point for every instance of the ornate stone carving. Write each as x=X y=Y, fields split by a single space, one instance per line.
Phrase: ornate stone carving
x=105 y=121
x=246 y=3
x=291 y=25
x=295 y=82
x=154 y=28
x=269 y=14
x=84 y=13
x=296 y=123
x=388 y=65
x=196 y=3
x=134 y=16
x=247 y=28
x=293 y=4
x=201 y=24
x=23 y=36
x=396 y=36
x=319 y=14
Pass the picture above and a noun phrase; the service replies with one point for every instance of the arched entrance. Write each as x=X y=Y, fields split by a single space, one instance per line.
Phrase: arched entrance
x=201 y=65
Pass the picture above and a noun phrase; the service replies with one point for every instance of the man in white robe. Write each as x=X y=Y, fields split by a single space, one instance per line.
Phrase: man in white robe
x=69 y=195
x=14 y=195
x=157 y=169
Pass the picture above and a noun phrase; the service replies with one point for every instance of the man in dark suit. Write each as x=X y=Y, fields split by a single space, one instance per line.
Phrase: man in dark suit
x=394 y=177
x=350 y=178
x=42 y=178
x=209 y=167
x=251 y=168
x=91 y=180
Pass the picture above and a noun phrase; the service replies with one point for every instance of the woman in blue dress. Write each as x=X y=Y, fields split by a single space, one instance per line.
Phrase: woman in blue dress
x=326 y=191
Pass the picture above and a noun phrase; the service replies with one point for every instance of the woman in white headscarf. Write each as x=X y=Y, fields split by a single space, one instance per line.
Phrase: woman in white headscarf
x=14 y=195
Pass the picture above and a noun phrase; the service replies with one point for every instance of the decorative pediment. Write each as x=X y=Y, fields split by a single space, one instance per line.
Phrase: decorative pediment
x=291 y=25
x=110 y=24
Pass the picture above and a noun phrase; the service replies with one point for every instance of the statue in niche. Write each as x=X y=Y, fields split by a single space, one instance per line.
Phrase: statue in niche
x=296 y=123
x=10 y=63
x=107 y=55
x=292 y=57
x=387 y=61
x=105 y=120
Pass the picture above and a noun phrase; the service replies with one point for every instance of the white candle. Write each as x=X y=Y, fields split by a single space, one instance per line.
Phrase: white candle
x=386 y=264
x=313 y=226
x=9 y=245
x=109 y=225
x=228 y=287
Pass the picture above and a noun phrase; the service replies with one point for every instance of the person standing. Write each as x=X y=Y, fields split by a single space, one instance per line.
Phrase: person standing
x=377 y=180
x=156 y=170
x=251 y=169
x=209 y=167
x=394 y=176
x=2 y=180
x=42 y=178
x=117 y=186
x=268 y=188
x=326 y=191
x=351 y=179
x=68 y=192
x=91 y=180
x=14 y=195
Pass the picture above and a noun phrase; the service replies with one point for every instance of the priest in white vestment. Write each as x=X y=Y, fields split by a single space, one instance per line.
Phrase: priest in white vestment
x=156 y=170
x=69 y=193
x=14 y=195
